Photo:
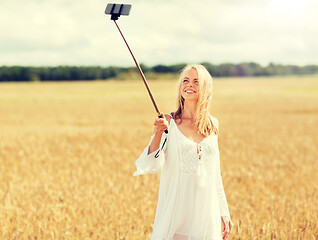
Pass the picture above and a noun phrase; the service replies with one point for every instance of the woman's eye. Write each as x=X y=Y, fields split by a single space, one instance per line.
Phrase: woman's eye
x=185 y=80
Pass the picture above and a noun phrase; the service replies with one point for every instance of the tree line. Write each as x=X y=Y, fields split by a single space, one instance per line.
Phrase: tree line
x=72 y=73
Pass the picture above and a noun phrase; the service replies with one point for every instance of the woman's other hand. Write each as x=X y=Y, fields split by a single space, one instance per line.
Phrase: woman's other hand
x=161 y=124
x=227 y=226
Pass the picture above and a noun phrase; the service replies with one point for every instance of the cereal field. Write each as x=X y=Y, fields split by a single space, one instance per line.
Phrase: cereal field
x=68 y=152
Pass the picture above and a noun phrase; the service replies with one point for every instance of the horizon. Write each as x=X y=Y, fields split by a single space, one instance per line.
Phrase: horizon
x=172 y=64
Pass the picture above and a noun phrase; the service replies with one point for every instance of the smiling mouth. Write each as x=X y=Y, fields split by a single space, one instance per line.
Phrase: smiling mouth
x=189 y=91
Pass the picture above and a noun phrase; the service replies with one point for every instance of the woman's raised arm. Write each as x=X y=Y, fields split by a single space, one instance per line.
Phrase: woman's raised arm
x=152 y=158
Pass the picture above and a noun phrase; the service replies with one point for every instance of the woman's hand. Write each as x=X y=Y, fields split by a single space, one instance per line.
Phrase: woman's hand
x=161 y=124
x=227 y=226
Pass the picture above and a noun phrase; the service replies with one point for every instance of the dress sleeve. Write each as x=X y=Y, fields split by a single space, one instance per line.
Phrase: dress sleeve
x=153 y=162
x=224 y=210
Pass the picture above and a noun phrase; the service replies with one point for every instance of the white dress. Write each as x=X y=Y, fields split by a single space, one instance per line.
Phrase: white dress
x=191 y=197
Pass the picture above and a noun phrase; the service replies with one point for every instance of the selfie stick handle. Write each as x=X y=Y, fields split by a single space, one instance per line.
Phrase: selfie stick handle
x=141 y=73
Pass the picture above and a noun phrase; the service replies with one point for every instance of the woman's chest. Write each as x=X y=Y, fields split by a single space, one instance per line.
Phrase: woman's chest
x=192 y=154
x=188 y=130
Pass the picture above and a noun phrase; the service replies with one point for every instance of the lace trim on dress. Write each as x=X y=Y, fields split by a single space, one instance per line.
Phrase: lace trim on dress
x=192 y=162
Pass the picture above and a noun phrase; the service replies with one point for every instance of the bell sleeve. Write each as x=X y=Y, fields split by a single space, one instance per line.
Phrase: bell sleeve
x=153 y=162
x=224 y=210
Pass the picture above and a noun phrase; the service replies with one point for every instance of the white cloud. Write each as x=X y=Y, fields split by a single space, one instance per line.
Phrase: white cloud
x=56 y=32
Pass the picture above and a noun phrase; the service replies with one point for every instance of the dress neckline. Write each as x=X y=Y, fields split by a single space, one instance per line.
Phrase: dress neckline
x=198 y=143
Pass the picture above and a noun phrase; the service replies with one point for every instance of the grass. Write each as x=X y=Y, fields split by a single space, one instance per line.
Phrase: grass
x=68 y=152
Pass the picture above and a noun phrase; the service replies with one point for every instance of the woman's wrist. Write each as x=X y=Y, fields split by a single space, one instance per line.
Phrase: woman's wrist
x=159 y=133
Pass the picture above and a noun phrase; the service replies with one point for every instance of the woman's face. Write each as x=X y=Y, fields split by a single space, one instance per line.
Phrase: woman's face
x=190 y=85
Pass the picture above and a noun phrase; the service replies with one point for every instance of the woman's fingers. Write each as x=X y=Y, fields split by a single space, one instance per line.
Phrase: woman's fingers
x=223 y=229
x=226 y=232
x=227 y=227
x=161 y=123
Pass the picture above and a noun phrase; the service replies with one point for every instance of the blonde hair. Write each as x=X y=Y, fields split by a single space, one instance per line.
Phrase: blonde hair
x=203 y=121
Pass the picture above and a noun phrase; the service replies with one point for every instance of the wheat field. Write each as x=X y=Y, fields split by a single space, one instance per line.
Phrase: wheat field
x=68 y=152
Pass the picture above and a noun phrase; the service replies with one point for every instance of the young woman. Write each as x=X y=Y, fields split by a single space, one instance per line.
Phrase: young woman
x=191 y=204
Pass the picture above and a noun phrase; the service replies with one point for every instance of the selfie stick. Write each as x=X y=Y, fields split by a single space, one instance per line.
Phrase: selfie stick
x=115 y=10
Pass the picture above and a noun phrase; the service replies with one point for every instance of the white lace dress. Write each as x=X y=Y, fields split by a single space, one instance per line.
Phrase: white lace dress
x=191 y=196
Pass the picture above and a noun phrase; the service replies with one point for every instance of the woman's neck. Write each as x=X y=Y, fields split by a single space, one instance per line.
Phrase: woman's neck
x=189 y=110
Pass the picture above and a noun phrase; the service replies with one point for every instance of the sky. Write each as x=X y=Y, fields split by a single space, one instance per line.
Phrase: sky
x=69 y=32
